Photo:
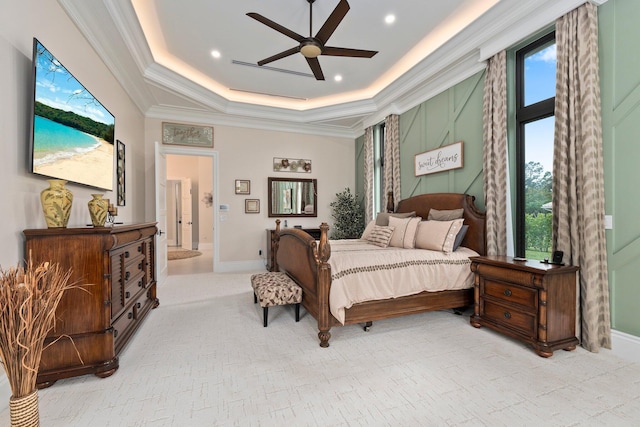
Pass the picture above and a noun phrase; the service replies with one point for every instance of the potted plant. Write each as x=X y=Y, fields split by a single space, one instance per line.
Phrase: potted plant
x=28 y=299
x=348 y=216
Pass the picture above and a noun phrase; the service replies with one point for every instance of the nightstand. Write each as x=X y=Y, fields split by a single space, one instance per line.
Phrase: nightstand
x=526 y=300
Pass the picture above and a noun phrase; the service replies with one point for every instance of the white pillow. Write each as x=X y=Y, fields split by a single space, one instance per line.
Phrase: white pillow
x=368 y=229
x=438 y=235
x=404 y=234
x=380 y=235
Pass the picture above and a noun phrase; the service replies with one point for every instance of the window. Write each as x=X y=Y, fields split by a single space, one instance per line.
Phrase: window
x=379 y=198
x=535 y=98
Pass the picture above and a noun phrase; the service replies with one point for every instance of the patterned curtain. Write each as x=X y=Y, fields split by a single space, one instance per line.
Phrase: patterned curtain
x=494 y=135
x=578 y=174
x=368 y=173
x=392 y=158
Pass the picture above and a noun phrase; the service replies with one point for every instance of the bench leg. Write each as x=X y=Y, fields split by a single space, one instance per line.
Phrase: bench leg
x=255 y=298
x=265 y=315
x=297 y=312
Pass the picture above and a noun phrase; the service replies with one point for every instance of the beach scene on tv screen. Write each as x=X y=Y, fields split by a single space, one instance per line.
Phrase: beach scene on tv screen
x=73 y=133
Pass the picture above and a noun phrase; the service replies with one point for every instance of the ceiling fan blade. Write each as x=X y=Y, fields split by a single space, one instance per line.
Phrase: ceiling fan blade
x=280 y=55
x=269 y=23
x=333 y=21
x=315 y=67
x=343 y=51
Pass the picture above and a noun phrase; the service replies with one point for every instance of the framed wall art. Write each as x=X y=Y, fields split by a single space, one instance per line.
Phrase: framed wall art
x=120 y=174
x=191 y=135
x=251 y=206
x=243 y=186
x=441 y=159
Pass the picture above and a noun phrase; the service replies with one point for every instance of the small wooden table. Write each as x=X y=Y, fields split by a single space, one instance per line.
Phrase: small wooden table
x=529 y=300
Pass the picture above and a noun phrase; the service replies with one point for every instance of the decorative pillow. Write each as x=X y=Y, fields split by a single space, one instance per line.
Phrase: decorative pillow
x=383 y=217
x=404 y=233
x=445 y=215
x=438 y=235
x=367 y=230
x=460 y=237
x=380 y=235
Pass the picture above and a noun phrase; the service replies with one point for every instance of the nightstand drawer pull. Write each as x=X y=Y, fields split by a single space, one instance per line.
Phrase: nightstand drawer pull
x=507 y=292
x=507 y=315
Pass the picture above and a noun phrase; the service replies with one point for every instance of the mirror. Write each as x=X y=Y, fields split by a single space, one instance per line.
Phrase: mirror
x=293 y=197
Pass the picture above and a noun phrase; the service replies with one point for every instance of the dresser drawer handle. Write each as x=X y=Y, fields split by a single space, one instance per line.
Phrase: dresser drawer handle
x=139 y=248
x=138 y=305
x=507 y=292
x=115 y=333
x=127 y=294
x=507 y=315
x=127 y=275
x=140 y=266
x=139 y=283
x=130 y=315
x=126 y=254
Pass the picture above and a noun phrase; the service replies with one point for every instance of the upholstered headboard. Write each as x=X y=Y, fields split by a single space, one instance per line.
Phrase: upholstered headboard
x=475 y=238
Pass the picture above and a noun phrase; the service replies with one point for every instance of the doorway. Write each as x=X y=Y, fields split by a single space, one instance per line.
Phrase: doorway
x=190 y=178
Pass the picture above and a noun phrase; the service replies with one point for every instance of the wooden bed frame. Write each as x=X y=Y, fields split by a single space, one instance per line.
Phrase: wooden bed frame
x=307 y=262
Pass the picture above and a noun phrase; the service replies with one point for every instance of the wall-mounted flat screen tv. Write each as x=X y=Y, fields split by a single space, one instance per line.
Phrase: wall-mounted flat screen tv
x=73 y=132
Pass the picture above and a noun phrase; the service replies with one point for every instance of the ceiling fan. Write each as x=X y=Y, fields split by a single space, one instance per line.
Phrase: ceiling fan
x=313 y=46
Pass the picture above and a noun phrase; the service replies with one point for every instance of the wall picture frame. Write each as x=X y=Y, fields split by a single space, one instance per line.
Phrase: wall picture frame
x=121 y=186
x=186 y=134
x=441 y=159
x=251 y=205
x=243 y=186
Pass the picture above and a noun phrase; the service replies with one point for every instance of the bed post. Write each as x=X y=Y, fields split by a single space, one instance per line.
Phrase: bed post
x=391 y=207
x=324 y=283
x=274 y=246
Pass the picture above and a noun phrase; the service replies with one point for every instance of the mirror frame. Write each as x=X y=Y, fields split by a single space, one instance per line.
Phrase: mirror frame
x=270 y=198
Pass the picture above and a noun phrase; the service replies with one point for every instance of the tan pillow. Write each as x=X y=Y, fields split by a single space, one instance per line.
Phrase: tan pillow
x=367 y=230
x=438 y=235
x=445 y=215
x=380 y=235
x=383 y=217
x=404 y=233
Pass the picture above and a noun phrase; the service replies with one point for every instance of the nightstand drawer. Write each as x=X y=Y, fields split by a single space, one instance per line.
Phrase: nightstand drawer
x=508 y=316
x=512 y=293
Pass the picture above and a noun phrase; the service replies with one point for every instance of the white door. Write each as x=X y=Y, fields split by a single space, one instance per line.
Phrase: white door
x=187 y=217
x=161 y=214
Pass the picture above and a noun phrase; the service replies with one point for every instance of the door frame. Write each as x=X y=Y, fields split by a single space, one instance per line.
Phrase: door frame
x=202 y=152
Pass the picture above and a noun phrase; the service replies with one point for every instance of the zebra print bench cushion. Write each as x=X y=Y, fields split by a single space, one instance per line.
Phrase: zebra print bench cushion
x=275 y=288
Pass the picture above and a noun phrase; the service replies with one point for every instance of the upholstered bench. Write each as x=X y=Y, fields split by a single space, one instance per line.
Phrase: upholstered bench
x=275 y=288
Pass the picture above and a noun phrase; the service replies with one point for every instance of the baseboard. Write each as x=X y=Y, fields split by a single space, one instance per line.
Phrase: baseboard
x=625 y=346
x=5 y=391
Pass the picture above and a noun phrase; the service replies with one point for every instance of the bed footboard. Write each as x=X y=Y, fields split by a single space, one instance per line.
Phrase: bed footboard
x=307 y=262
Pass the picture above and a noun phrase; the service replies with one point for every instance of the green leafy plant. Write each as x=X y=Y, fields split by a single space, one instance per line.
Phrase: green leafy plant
x=348 y=216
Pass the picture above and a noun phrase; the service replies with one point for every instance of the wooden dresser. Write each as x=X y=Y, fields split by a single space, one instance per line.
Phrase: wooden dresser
x=271 y=262
x=527 y=300
x=113 y=268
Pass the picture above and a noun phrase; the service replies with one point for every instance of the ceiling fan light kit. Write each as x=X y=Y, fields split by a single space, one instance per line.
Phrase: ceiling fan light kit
x=313 y=46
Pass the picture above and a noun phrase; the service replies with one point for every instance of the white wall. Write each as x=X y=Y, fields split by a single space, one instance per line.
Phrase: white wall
x=248 y=154
x=20 y=22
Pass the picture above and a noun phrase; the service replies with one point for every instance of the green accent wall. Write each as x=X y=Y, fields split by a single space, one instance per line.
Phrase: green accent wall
x=619 y=33
x=451 y=116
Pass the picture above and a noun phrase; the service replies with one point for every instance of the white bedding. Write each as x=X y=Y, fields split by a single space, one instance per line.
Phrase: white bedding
x=361 y=271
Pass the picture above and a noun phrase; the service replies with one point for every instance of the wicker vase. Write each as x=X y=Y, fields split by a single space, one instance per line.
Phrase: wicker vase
x=56 y=203
x=98 y=209
x=24 y=410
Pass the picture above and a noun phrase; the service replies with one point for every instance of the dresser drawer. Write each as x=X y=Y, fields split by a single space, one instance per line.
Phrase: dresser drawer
x=511 y=317
x=123 y=323
x=512 y=293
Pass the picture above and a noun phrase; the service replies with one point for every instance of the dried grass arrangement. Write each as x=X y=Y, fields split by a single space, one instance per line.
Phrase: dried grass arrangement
x=28 y=300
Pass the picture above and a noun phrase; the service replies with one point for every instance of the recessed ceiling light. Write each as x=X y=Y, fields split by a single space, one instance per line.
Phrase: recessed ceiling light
x=390 y=19
x=215 y=54
x=338 y=78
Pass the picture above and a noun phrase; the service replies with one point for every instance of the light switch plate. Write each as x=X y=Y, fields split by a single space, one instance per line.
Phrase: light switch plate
x=608 y=222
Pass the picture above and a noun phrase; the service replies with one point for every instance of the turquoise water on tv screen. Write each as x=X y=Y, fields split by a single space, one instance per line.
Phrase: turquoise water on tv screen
x=53 y=141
